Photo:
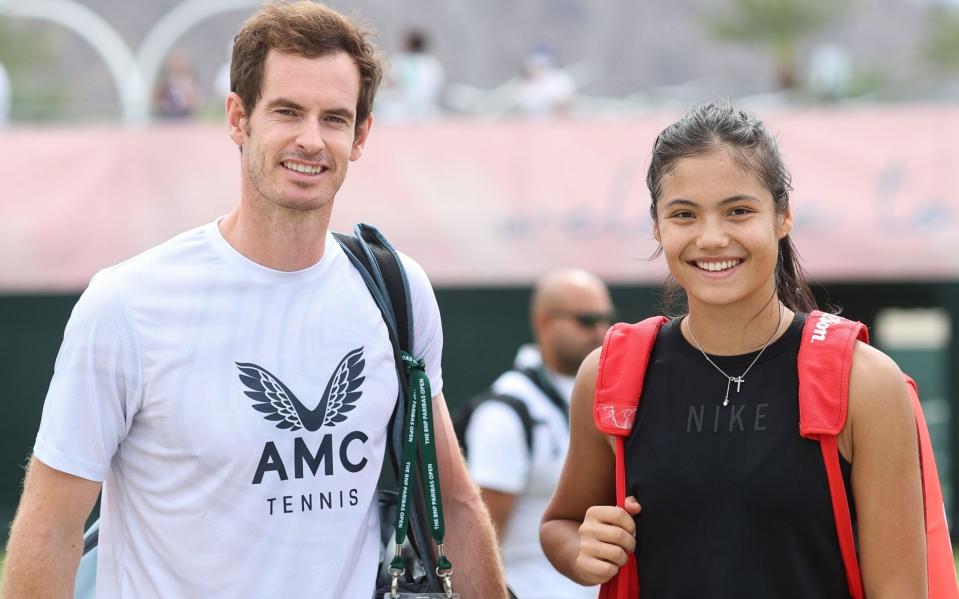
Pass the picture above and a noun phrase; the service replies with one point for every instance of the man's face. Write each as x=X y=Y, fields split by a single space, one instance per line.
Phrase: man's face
x=301 y=135
x=576 y=326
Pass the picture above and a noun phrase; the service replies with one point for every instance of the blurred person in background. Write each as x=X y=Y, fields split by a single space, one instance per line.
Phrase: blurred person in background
x=6 y=96
x=177 y=93
x=516 y=457
x=414 y=81
x=221 y=80
x=740 y=507
x=544 y=88
x=175 y=389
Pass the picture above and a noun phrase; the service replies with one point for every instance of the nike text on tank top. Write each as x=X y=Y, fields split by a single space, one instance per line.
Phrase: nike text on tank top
x=237 y=416
x=735 y=503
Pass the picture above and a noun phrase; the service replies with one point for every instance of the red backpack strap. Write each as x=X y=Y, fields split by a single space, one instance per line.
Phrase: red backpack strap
x=825 y=361
x=940 y=567
x=619 y=385
x=622 y=369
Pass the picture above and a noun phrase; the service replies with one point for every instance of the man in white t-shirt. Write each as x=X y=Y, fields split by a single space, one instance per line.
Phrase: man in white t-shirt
x=570 y=312
x=229 y=390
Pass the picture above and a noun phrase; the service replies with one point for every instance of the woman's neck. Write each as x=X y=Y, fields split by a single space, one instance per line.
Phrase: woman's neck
x=722 y=330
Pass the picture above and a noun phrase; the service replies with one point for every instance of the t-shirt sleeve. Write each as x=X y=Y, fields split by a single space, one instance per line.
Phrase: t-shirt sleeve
x=96 y=386
x=427 y=327
x=498 y=455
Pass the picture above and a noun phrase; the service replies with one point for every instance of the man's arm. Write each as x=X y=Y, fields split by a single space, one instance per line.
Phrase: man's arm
x=499 y=459
x=471 y=541
x=46 y=539
x=500 y=506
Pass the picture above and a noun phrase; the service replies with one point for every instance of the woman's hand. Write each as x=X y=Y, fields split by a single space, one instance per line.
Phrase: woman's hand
x=606 y=538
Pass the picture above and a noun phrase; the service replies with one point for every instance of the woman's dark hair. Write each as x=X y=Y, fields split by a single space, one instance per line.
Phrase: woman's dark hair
x=712 y=126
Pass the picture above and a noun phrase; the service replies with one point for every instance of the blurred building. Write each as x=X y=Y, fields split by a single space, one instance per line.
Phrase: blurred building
x=646 y=54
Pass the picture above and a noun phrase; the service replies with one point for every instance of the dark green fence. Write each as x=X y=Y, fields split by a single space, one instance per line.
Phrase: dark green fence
x=482 y=328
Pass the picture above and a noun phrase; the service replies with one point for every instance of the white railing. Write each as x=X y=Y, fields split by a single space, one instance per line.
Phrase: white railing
x=133 y=75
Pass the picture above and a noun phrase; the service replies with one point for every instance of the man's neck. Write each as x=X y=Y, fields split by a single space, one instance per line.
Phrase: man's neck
x=284 y=240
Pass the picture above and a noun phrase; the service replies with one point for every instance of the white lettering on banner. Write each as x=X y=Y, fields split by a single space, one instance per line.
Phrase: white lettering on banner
x=411 y=429
x=427 y=434
x=431 y=475
x=822 y=326
x=404 y=492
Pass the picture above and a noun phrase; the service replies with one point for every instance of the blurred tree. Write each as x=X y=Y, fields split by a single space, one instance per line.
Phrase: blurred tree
x=780 y=25
x=942 y=44
x=25 y=52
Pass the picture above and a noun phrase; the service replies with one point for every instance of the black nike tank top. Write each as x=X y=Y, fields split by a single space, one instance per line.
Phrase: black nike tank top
x=735 y=503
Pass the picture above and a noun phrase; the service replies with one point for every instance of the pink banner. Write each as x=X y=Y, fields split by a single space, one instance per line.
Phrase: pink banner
x=876 y=195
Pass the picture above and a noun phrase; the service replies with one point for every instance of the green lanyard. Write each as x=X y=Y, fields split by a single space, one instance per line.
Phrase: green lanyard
x=419 y=432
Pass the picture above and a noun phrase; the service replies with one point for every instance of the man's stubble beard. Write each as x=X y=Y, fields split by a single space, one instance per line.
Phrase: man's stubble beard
x=259 y=176
x=569 y=359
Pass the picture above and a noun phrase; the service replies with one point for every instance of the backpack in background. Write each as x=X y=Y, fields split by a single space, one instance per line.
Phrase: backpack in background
x=461 y=419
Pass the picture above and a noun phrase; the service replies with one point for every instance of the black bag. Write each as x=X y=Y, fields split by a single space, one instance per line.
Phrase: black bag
x=383 y=273
x=380 y=266
x=536 y=375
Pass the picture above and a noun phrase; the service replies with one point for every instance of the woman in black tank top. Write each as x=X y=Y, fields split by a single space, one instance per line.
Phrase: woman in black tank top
x=727 y=500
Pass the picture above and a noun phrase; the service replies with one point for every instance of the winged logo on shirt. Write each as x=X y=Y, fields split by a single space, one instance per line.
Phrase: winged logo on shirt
x=278 y=403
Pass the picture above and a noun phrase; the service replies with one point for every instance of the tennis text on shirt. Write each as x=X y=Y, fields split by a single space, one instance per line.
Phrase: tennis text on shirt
x=277 y=403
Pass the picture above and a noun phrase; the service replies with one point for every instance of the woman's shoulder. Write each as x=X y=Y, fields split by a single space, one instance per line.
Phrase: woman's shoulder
x=878 y=394
x=589 y=371
x=874 y=373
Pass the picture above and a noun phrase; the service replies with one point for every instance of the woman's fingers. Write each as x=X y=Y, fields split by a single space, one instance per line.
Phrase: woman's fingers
x=611 y=515
x=610 y=534
x=607 y=537
x=632 y=506
x=607 y=552
x=594 y=571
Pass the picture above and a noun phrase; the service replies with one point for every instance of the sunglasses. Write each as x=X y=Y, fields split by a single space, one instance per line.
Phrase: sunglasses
x=588 y=319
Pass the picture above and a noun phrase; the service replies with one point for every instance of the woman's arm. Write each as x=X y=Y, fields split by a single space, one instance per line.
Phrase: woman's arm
x=584 y=535
x=881 y=441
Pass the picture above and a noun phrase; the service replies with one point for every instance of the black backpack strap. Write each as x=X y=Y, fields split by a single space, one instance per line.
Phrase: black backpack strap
x=384 y=276
x=365 y=261
x=519 y=406
x=539 y=378
x=378 y=263
x=515 y=403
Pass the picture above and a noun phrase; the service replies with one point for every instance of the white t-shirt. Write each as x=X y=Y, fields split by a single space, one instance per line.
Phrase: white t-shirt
x=499 y=459
x=237 y=416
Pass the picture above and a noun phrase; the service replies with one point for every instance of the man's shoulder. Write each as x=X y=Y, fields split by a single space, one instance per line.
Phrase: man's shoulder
x=415 y=274
x=516 y=383
x=163 y=259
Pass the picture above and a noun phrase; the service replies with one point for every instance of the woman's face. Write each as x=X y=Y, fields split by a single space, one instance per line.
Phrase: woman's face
x=719 y=231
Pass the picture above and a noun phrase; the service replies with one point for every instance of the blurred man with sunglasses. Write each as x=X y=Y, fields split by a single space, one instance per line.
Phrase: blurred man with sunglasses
x=516 y=456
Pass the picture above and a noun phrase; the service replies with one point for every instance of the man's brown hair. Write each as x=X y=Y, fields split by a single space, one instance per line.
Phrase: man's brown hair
x=307 y=29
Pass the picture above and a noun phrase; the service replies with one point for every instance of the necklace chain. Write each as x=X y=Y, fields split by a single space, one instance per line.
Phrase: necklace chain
x=739 y=380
